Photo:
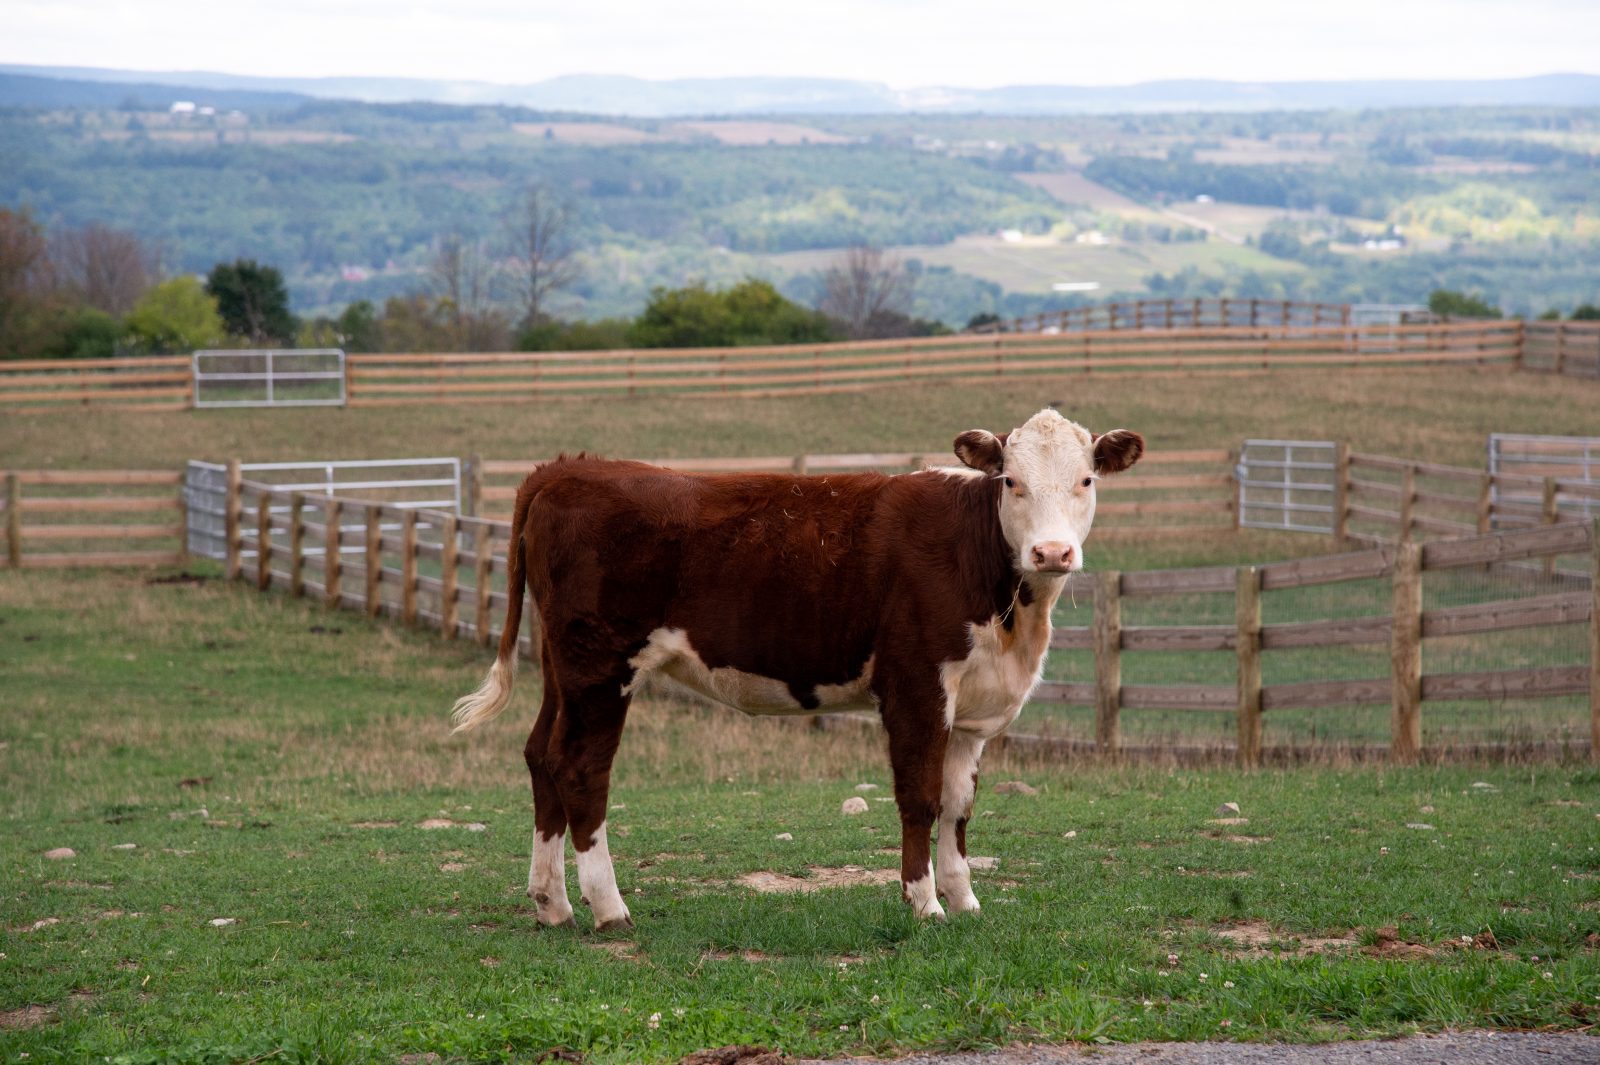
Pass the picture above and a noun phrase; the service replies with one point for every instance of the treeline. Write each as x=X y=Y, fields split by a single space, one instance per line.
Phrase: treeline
x=1366 y=192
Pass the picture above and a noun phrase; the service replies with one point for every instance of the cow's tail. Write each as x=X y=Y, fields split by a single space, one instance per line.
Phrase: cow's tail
x=494 y=693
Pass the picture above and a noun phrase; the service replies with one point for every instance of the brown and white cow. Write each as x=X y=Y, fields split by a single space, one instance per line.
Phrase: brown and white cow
x=924 y=596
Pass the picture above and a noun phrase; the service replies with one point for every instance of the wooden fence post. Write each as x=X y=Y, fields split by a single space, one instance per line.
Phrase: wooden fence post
x=483 y=583
x=1341 y=495
x=263 y=541
x=1405 y=654
x=1485 y=503
x=372 y=595
x=799 y=465
x=297 y=544
x=13 y=519
x=1521 y=344
x=448 y=577
x=1594 y=641
x=1247 y=617
x=1549 y=515
x=1408 y=502
x=408 y=567
x=472 y=488
x=230 y=522
x=1107 y=661
x=332 y=559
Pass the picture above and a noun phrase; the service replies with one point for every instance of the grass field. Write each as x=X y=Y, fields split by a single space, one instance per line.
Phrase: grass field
x=274 y=764
x=1440 y=415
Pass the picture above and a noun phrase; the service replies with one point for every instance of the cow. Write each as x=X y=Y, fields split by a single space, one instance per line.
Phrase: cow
x=924 y=597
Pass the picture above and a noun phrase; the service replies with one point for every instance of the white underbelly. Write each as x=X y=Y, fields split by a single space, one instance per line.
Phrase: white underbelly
x=987 y=689
x=668 y=657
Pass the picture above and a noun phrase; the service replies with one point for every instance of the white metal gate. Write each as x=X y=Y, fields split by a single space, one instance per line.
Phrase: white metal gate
x=1569 y=459
x=300 y=377
x=432 y=483
x=1287 y=484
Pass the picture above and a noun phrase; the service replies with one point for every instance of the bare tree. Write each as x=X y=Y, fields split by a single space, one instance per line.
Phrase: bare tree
x=463 y=278
x=869 y=291
x=542 y=251
x=26 y=280
x=105 y=268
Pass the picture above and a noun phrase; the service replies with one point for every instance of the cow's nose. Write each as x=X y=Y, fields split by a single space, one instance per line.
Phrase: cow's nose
x=1052 y=556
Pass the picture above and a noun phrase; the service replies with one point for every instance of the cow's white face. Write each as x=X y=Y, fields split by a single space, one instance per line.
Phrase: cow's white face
x=1049 y=466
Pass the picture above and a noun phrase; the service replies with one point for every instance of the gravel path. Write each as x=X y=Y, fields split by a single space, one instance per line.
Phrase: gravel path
x=1456 y=1048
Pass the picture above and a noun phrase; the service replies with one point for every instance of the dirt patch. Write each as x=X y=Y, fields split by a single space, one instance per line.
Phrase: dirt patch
x=445 y=822
x=769 y=883
x=752 y=956
x=1566 y=802
x=451 y=867
x=621 y=949
x=1258 y=937
x=26 y=1017
x=1227 y=837
x=1218 y=874
x=1390 y=945
x=376 y=824
x=736 y=1055
x=1229 y=821
x=178 y=578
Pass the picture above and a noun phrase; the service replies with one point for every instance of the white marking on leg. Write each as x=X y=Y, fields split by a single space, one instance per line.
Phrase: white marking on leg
x=547 y=878
x=598 y=883
x=920 y=893
x=960 y=764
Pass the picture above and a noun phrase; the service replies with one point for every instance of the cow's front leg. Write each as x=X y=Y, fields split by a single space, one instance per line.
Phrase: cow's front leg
x=960 y=784
x=914 y=716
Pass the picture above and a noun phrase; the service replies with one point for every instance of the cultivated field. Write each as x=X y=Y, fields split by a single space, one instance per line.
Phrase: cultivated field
x=278 y=769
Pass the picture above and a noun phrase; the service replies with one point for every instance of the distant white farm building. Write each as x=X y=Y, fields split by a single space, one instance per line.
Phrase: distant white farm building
x=182 y=107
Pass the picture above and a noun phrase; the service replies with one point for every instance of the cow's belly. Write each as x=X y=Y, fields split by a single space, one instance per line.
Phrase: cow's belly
x=668 y=656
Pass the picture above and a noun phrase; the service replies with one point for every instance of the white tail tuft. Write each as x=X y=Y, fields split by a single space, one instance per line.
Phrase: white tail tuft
x=488 y=701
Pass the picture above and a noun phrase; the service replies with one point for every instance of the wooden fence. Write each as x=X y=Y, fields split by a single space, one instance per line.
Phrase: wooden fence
x=1561 y=347
x=1403 y=630
x=438 y=570
x=1167 y=493
x=62 y=518
x=390 y=380
x=1178 y=314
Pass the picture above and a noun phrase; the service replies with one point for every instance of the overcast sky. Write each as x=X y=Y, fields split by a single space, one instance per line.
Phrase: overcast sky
x=905 y=43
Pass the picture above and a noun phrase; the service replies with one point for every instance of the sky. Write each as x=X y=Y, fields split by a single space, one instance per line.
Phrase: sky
x=904 y=43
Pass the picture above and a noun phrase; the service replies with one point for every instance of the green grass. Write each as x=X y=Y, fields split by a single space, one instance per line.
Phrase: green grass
x=293 y=726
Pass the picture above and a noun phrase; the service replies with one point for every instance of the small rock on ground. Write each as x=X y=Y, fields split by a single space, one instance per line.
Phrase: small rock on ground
x=855 y=804
x=784 y=836
x=983 y=863
x=1015 y=787
x=1424 y=826
x=1227 y=809
x=60 y=853
x=866 y=787
x=124 y=846
x=223 y=922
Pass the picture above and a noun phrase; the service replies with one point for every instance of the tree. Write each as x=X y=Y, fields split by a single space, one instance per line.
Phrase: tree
x=253 y=301
x=1586 y=312
x=463 y=276
x=26 y=284
x=542 y=250
x=1449 y=304
x=357 y=327
x=104 y=268
x=865 y=291
x=751 y=312
x=176 y=316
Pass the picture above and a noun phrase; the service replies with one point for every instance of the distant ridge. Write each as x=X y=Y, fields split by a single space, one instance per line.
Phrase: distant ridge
x=622 y=95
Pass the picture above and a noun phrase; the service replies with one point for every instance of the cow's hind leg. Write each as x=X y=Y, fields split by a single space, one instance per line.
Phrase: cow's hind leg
x=955 y=808
x=585 y=742
x=547 y=869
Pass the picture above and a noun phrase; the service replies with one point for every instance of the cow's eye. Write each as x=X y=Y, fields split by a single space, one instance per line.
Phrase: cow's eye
x=1087 y=481
x=1010 y=483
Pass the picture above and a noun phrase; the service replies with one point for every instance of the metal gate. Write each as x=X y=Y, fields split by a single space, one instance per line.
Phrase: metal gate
x=1287 y=484
x=433 y=483
x=1570 y=459
x=300 y=377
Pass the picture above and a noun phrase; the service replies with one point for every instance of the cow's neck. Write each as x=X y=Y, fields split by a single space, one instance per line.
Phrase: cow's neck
x=1006 y=593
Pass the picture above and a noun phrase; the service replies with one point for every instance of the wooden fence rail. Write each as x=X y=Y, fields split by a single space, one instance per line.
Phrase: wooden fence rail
x=1271 y=335
x=64 y=518
x=1571 y=348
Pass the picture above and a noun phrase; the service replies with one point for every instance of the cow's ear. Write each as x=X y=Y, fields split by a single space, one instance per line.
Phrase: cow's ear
x=1117 y=450
x=981 y=450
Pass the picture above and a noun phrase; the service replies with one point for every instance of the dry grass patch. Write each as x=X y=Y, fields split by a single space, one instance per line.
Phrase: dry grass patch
x=1258 y=937
x=754 y=957
x=621 y=949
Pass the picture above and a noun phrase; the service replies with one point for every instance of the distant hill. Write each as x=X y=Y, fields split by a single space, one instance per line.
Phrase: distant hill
x=619 y=95
x=25 y=90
